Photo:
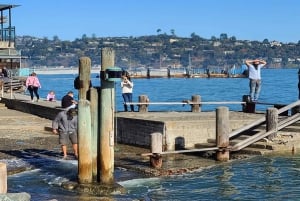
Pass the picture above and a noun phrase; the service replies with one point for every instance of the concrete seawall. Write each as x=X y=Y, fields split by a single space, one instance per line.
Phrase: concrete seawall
x=184 y=129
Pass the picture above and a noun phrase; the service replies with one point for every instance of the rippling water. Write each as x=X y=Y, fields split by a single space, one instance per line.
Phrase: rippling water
x=258 y=178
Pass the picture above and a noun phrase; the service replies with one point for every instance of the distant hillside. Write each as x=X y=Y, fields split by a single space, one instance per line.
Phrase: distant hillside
x=157 y=51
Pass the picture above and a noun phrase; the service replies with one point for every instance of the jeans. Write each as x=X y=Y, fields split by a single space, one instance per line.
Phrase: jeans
x=255 y=86
x=33 y=90
x=127 y=98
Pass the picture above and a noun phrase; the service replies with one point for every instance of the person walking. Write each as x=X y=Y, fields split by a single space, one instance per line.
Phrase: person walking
x=33 y=84
x=65 y=124
x=254 y=67
x=127 y=88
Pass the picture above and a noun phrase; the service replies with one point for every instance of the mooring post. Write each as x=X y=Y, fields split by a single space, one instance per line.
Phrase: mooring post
x=143 y=107
x=169 y=72
x=249 y=106
x=156 y=150
x=107 y=102
x=272 y=121
x=94 y=123
x=222 y=133
x=148 y=73
x=196 y=107
x=84 y=124
x=84 y=76
x=3 y=178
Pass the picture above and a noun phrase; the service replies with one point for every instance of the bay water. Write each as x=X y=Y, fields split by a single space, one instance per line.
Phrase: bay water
x=257 y=178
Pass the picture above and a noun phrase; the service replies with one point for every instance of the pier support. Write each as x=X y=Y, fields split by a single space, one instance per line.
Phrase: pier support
x=84 y=124
x=272 y=121
x=222 y=133
x=107 y=110
x=156 y=150
x=196 y=107
x=143 y=99
x=3 y=178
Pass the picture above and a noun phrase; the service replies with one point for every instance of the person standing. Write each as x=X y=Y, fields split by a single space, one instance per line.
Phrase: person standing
x=33 y=84
x=127 y=88
x=68 y=101
x=254 y=67
x=65 y=124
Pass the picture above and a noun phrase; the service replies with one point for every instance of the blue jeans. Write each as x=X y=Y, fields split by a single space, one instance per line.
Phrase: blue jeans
x=255 y=87
x=127 y=99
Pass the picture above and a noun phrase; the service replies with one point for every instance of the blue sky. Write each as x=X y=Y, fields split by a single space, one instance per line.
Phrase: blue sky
x=245 y=19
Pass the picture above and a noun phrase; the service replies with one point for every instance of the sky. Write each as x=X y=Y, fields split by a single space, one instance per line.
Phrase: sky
x=277 y=20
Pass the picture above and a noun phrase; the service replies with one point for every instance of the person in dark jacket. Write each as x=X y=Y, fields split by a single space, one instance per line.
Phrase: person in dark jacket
x=65 y=124
x=68 y=101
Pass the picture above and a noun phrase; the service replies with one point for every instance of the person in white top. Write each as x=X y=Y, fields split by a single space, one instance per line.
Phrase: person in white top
x=127 y=88
x=254 y=67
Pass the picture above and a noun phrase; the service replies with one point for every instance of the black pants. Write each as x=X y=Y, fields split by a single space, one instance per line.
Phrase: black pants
x=34 y=90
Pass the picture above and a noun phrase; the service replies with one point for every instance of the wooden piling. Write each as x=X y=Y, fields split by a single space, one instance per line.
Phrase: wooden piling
x=196 y=107
x=156 y=150
x=94 y=126
x=143 y=107
x=222 y=133
x=148 y=73
x=107 y=110
x=3 y=178
x=84 y=142
x=272 y=121
x=84 y=76
x=84 y=123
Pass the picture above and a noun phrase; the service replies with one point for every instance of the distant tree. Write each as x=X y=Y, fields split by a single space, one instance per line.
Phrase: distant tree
x=223 y=36
x=84 y=37
x=55 y=38
x=265 y=41
x=172 y=32
x=158 y=31
x=233 y=38
x=213 y=38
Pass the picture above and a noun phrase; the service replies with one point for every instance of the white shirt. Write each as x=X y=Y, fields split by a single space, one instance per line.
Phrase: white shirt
x=127 y=87
x=254 y=73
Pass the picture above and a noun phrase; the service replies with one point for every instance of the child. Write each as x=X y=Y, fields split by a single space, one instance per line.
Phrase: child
x=51 y=96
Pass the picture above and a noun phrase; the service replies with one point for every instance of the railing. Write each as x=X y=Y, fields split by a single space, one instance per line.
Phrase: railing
x=295 y=116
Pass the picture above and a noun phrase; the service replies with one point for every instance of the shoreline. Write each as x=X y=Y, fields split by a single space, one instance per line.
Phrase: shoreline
x=57 y=71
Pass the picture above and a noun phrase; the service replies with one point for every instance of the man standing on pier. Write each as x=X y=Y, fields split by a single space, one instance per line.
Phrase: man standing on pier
x=65 y=124
x=254 y=67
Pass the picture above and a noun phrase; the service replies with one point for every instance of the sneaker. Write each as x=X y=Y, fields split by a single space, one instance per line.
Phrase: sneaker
x=65 y=158
x=32 y=101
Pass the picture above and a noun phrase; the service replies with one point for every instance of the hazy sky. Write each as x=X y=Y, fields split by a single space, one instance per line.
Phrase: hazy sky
x=245 y=19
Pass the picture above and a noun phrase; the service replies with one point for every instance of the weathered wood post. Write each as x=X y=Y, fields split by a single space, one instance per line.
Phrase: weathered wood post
x=143 y=107
x=196 y=107
x=222 y=132
x=94 y=123
x=156 y=150
x=107 y=109
x=84 y=124
x=272 y=121
x=148 y=73
x=3 y=178
x=1 y=88
x=169 y=72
